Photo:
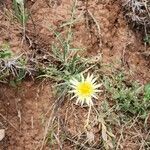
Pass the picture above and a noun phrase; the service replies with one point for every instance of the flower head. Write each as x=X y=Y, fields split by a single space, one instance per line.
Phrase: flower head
x=85 y=90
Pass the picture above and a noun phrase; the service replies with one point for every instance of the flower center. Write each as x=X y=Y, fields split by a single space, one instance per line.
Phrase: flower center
x=85 y=89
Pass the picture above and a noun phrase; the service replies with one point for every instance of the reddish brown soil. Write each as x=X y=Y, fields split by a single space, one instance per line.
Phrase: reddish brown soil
x=106 y=31
x=23 y=114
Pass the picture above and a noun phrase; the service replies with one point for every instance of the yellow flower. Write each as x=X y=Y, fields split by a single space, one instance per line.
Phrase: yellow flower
x=85 y=90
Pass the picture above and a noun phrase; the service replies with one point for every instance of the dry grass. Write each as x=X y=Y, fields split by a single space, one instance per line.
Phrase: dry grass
x=138 y=13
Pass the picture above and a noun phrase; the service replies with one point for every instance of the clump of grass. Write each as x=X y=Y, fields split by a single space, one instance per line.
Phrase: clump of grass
x=21 y=14
x=12 y=68
x=137 y=13
x=133 y=99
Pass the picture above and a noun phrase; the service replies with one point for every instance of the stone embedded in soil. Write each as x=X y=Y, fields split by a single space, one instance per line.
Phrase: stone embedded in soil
x=2 y=134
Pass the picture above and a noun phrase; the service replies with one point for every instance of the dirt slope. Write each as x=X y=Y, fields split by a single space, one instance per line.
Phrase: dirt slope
x=101 y=28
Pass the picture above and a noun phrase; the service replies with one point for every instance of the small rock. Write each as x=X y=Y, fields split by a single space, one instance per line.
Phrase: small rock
x=2 y=134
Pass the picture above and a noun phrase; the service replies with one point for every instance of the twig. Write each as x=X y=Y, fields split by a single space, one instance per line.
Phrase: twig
x=9 y=123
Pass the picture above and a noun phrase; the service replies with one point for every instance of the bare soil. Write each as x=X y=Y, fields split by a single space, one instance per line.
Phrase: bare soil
x=101 y=29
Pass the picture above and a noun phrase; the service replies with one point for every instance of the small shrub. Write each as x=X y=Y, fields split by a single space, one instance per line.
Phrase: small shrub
x=11 y=66
x=133 y=99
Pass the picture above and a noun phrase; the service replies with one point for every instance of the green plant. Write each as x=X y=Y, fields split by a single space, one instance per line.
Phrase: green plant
x=147 y=39
x=133 y=98
x=11 y=66
x=147 y=92
x=20 y=11
x=51 y=138
x=65 y=59
x=66 y=63
x=21 y=14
